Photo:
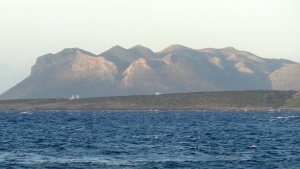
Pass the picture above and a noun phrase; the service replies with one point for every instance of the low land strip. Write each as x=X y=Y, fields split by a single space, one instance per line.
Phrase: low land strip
x=226 y=100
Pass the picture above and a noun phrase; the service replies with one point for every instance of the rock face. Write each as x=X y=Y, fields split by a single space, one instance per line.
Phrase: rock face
x=139 y=71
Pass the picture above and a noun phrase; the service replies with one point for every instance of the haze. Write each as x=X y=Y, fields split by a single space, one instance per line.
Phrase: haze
x=29 y=28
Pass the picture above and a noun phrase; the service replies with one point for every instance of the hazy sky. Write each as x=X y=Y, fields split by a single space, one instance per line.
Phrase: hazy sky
x=31 y=28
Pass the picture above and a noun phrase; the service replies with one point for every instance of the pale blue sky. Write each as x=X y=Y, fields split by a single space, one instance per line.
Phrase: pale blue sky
x=31 y=28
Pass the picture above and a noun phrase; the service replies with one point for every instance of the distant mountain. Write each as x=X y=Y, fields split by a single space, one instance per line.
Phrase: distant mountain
x=139 y=71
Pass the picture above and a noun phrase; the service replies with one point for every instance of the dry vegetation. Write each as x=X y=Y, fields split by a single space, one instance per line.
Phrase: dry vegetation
x=259 y=100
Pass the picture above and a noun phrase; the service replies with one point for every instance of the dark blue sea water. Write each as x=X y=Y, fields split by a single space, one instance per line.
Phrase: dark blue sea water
x=150 y=139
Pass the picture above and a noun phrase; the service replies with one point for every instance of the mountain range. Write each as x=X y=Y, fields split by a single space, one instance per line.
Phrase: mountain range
x=139 y=71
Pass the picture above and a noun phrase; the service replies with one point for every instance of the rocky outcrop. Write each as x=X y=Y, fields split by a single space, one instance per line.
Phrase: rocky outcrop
x=216 y=61
x=99 y=67
x=240 y=66
x=138 y=71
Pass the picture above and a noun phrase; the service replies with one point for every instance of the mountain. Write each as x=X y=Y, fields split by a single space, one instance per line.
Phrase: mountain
x=69 y=71
x=286 y=78
x=139 y=70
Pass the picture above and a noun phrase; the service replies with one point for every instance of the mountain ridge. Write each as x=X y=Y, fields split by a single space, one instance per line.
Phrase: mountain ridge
x=139 y=71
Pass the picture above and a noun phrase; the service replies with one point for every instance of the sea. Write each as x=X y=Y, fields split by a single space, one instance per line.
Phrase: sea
x=150 y=139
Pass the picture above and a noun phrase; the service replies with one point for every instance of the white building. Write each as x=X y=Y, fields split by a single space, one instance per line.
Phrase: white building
x=74 y=97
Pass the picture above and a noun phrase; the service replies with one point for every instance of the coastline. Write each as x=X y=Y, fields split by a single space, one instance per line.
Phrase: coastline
x=224 y=100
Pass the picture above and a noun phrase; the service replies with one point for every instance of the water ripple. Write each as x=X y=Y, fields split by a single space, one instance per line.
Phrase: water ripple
x=149 y=139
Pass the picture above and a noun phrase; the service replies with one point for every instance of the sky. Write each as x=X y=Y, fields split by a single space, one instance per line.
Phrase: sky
x=32 y=28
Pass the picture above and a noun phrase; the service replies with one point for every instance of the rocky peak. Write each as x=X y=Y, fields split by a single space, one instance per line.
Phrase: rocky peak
x=174 y=48
x=143 y=52
x=116 y=48
x=229 y=49
x=208 y=50
x=49 y=61
x=69 y=50
x=115 y=51
x=118 y=53
x=139 y=47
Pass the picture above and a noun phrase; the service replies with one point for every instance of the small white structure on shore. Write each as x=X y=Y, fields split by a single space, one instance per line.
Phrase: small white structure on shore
x=74 y=97
x=157 y=93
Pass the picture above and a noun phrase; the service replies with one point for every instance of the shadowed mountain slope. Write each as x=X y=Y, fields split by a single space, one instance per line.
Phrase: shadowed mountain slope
x=139 y=71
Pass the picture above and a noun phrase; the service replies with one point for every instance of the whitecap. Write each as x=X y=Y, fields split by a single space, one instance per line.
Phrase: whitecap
x=26 y=112
x=253 y=146
x=81 y=128
x=286 y=117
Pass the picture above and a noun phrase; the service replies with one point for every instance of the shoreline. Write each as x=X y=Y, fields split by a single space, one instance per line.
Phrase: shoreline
x=224 y=100
x=202 y=110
